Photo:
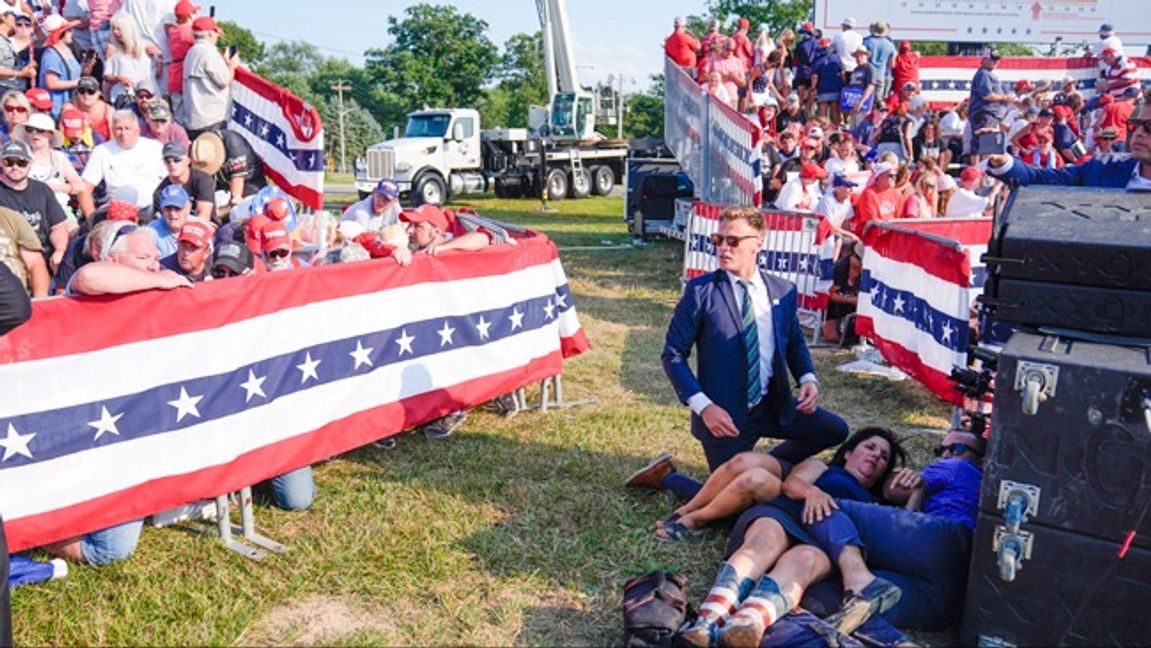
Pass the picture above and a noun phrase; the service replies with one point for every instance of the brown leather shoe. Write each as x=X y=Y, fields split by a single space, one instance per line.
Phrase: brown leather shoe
x=652 y=474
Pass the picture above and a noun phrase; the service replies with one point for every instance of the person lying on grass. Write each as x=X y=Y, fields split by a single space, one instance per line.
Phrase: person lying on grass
x=770 y=535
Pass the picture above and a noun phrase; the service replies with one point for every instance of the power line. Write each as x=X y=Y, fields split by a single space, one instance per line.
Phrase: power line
x=298 y=40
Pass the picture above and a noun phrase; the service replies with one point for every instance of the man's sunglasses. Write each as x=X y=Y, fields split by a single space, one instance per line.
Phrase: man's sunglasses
x=34 y=131
x=16 y=162
x=172 y=159
x=15 y=109
x=956 y=449
x=278 y=254
x=144 y=95
x=732 y=241
x=223 y=272
x=1139 y=124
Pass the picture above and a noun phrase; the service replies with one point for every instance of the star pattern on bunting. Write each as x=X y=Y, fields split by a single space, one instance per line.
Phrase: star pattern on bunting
x=482 y=326
x=106 y=424
x=16 y=444
x=308 y=368
x=254 y=386
x=446 y=334
x=186 y=405
x=405 y=341
x=516 y=318
x=362 y=355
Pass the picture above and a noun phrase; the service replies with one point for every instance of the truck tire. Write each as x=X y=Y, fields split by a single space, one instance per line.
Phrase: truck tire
x=557 y=184
x=430 y=190
x=580 y=186
x=602 y=180
x=502 y=190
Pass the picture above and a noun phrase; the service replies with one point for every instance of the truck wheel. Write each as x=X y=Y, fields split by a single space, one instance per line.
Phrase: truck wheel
x=580 y=184
x=430 y=190
x=501 y=190
x=557 y=184
x=602 y=180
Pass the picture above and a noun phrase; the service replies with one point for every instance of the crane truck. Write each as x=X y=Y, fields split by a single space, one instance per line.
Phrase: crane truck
x=444 y=154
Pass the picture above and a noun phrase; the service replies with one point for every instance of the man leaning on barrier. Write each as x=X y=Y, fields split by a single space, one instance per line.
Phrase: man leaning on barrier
x=743 y=324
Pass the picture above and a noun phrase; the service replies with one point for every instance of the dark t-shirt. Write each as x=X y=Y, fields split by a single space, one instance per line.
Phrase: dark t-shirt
x=841 y=278
x=38 y=205
x=240 y=161
x=199 y=187
x=785 y=119
x=74 y=258
x=170 y=263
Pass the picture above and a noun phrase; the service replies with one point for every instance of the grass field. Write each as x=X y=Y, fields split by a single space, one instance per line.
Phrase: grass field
x=510 y=532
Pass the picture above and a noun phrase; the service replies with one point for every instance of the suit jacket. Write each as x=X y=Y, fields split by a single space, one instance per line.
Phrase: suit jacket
x=1092 y=173
x=708 y=317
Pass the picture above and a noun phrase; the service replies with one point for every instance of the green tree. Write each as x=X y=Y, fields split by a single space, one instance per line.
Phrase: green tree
x=523 y=77
x=438 y=57
x=361 y=129
x=251 y=50
x=643 y=116
x=776 y=14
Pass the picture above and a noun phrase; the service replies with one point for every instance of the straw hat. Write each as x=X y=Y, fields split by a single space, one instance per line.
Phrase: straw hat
x=208 y=153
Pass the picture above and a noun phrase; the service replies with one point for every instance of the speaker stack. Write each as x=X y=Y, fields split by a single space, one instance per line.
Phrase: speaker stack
x=1062 y=551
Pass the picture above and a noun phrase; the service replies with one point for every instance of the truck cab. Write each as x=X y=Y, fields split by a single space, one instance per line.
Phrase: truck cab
x=438 y=156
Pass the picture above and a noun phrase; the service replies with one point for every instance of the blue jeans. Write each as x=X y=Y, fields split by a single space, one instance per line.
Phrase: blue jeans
x=294 y=491
x=111 y=544
x=926 y=556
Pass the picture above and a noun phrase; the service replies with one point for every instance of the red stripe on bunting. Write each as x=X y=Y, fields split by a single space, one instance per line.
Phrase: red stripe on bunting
x=106 y=321
x=305 y=194
x=332 y=439
x=946 y=263
x=909 y=362
x=973 y=231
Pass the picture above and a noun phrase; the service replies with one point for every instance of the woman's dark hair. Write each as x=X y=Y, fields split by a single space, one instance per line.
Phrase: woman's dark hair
x=898 y=454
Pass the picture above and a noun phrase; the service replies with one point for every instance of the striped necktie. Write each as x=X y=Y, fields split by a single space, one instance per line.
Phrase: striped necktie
x=751 y=346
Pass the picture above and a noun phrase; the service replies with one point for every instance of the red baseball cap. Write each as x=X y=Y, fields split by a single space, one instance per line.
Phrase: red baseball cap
x=195 y=232
x=970 y=174
x=275 y=237
x=205 y=24
x=277 y=209
x=72 y=123
x=1023 y=85
x=1103 y=101
x=184 y=9
x=119 y=210
x=39 y=98
x=426 y=214
x=812 y=171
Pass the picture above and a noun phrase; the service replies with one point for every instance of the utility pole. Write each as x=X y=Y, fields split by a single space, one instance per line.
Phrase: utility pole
x=341 y=87
x=619 y=109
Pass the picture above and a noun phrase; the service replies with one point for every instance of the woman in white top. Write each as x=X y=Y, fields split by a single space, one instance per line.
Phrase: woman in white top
x=50 y=166
x=129 y=60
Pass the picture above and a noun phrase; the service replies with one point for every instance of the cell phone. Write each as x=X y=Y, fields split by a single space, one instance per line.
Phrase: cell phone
x=232 y=50
x=212 y=11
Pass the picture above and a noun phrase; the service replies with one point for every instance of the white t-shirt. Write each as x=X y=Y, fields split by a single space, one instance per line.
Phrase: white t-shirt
x=131 y=175
x=122 y=65
x=834 y=211
x=844 y=45
x=361 y=212
x=1016 y=126
x=951 y=125
x=796 y=196
x=836 y=165
x=965 y=203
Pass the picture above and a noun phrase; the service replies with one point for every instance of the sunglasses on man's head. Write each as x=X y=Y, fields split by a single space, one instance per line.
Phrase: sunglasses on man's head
x=956 y=449
x=278 y=254
x=1139 y=124
x=731 y=241
x=15 y=162
x=14 y=109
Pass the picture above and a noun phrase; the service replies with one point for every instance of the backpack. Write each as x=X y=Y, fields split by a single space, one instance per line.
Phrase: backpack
x=654 y=607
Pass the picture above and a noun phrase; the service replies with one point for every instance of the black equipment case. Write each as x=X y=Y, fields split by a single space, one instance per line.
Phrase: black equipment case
x=1070 y=448
x=1078 y=258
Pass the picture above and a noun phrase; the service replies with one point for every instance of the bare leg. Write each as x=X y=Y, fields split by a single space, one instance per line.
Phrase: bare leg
x=751 y=486
x=775 y=595
x=852 y=567
x=67 y=549
x=726 y=474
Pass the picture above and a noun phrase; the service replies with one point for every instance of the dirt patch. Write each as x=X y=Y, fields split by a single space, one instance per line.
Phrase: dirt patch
x=316 y=620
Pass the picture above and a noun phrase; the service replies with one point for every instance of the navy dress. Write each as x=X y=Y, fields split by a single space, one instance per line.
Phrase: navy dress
x=835 y=481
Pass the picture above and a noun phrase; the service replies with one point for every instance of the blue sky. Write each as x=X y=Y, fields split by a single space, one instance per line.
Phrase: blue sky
x=612 y=36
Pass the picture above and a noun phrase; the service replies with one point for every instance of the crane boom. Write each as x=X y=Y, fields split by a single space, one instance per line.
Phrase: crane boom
x=558 y=56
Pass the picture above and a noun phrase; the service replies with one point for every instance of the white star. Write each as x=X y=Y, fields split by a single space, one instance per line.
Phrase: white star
x=483 y=325
x=308 y=368
x=405 y=341
x=550 y=310
x=186 y=405
x=781 y=263
x=899 y=304
x=362 y=355
x=280 y=142
x=803 y=264
x=561 y=300
x=264 y=130
x=248 y=120
x=106 y=424
x=446 y=334
x=517 y=319
x=947 y=331
x=254 y=386
x=16 y=443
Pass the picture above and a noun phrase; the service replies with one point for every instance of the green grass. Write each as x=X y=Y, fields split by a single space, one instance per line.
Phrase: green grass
x=510 y=532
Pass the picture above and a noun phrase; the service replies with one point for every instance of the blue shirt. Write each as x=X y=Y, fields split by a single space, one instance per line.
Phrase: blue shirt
x=952 y=490
x=66 y=69
x=982 y=84
x=165 y=237
x=882 y=51
x=830 y=72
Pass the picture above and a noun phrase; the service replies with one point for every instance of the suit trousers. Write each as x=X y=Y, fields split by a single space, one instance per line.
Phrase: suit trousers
x=806 y=435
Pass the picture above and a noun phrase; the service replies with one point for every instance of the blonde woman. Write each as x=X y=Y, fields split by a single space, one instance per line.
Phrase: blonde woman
x=924 y=203
x=129 y=60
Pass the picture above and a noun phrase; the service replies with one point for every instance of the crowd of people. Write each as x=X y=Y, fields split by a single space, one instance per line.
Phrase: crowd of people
x=866 y=543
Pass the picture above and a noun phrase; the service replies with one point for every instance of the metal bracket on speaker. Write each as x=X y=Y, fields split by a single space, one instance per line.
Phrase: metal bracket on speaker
x=1012 y=549
x=1029 y=492
x=1037 y=381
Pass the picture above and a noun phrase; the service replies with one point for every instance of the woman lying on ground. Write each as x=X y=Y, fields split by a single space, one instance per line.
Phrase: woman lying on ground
x=771 y=536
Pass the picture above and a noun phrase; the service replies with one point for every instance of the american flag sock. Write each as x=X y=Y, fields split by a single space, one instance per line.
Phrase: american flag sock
x=766 y=603
x=729 y=589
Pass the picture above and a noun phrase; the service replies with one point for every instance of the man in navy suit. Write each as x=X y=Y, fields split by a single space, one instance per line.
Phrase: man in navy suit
x=743 y=324
x=1133 y=173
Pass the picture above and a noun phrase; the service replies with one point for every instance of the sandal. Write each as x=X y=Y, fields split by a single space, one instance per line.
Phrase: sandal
x=879 y=596
x=663 y=522
x=676 y=532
